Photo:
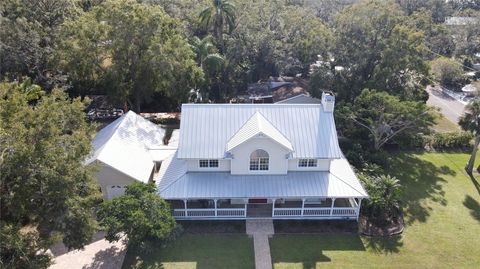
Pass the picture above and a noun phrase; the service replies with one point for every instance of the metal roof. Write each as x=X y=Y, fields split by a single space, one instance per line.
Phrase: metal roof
x=125 y=145
x=176 y=183
x=300 y=99
x=257 y=125
x=206 y=128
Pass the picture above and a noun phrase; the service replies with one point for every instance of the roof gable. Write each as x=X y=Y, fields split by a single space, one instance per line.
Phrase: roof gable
x=258 y=125
x=205 y=129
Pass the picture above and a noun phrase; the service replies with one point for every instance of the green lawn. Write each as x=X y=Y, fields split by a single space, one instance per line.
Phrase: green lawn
x=198 y=252
x=442 y=214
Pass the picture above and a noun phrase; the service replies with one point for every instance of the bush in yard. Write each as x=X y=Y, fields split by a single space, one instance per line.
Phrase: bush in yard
x=140 y=214
x=447 y=71
x=451 y=140
x=383 y=205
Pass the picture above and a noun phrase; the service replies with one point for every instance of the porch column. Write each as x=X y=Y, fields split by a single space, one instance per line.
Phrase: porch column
x=245 y=213
x=273 y=207
x=331 y=209
x=303 y=205
x=358 y=207
x=215 y=202
x=185 y=203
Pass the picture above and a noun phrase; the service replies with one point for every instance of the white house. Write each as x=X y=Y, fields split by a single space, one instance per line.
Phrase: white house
x=128 y=150
x=237 y=161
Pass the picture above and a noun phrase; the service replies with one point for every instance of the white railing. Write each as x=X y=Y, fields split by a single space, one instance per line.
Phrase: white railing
x=209 y=212
x=315 y=212
x=287 y=212
x=344 y=211
x=231 y=212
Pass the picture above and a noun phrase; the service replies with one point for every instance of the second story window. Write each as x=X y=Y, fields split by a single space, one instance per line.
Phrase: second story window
x=208 y=163
x=307 y=163
x=259 y=160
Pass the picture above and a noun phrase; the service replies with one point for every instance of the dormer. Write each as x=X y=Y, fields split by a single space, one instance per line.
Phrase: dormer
x=258 y=147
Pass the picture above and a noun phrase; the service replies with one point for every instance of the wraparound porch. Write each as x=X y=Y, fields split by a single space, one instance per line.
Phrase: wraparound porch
x=276 y=208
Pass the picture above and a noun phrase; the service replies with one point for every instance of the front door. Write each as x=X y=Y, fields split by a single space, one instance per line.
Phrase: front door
x=257 y=201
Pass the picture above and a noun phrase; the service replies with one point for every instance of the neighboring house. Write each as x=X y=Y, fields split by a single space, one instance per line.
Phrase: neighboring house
x=460 y=21
x=237 y=161
x=301 y=99
x=274 y=90
x=127 y=150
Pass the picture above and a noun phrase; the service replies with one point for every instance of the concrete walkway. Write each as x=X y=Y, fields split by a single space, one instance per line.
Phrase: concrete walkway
x=261 y=229
x=100 y=254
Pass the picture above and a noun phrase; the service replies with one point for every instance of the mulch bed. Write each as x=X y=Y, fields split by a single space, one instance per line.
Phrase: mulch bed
x=315 y=226
x=213 y=227
x=370 y=229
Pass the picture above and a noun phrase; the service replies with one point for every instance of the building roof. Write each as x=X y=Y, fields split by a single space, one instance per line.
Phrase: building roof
x=125 y=145
x=207 y=128
x=457 y=21
x=258 y=125
x=300 y=99
x=176 y=183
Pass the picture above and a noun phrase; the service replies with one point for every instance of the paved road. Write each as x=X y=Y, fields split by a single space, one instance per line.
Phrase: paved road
x=451 y=108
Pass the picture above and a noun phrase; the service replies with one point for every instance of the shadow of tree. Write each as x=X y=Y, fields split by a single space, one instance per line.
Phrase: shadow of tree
x=107 y=258
x=473 y=205
x=308 y=250
x=420 y=180
x=390 y=244
x=475 y=183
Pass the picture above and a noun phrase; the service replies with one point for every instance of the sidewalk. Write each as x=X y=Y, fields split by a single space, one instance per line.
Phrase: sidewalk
x=261 y=229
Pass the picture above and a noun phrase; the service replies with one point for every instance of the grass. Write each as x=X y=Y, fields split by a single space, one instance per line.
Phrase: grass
x=445 y=125
x=442 y=215
x=193 y=251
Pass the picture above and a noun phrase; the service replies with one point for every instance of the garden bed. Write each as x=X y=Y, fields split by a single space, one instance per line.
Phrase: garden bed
x=315 y=226
x=213 y=227
x=368 y=228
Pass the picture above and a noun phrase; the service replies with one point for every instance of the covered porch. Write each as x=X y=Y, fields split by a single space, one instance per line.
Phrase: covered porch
x=276 y=208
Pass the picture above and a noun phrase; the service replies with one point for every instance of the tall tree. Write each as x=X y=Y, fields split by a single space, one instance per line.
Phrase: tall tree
x=131 y=51
x=470 y=121
x=219 y=14
x=28 y=32
x=385 y=116
x=377 y=50
x=47 y=192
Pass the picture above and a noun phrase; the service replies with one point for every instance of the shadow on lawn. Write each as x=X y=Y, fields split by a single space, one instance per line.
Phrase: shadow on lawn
x=473 y=205
x=420 y=180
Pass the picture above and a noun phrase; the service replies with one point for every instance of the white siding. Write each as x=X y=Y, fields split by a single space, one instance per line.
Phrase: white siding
x=108 y=176
x=322 y=165
x=240 y=164
x=193 y=166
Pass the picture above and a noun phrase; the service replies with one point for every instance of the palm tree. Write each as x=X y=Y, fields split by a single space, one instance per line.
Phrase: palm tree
x=215 y=15
x=470 y=121
x=207 y=58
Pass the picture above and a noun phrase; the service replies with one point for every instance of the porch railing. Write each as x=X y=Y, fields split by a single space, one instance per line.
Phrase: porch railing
x=209 y=212
x=315 y=212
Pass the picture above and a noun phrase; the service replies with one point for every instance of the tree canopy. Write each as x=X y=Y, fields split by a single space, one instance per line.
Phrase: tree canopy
x=47 y=192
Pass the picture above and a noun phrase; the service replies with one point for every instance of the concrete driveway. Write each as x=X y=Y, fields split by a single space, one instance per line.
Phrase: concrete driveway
x=450 y=107
x=100 y=254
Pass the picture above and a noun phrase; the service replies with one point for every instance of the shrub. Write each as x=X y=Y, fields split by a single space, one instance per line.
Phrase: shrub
x=449 y=140
x=383 y=205
x=447 y=71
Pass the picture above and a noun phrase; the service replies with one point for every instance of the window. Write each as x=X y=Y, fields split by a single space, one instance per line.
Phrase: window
x=208 y=163
x=259 y=160
x=307 y=163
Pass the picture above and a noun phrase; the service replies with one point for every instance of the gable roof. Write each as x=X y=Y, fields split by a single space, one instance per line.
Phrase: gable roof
x=205 y=129
x=125 y=145
x=258 y=125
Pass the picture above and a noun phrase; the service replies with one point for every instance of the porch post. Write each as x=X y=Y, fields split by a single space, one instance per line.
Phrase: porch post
x=358 y=207
x=245 y=213
x=331 y=209
x=303 y=205
x=185 y=203
x=273 y=207
x=215 y=202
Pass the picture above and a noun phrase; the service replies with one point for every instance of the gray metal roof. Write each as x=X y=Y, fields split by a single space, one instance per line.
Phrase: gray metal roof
x=206 y=128
x=176 y=183
x=300 y=99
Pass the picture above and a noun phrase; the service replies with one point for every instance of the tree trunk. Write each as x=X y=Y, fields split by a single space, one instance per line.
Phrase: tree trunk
x=471 y=161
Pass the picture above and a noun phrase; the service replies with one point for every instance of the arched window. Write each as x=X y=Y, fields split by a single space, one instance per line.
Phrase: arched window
x=259 y=160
